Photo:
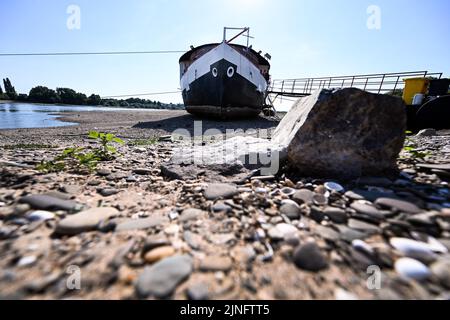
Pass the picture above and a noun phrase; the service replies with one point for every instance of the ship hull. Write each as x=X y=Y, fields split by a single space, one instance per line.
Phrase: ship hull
x=224 y=84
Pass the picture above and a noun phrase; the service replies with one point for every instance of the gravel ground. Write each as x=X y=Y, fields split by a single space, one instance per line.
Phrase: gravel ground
x=123 y=231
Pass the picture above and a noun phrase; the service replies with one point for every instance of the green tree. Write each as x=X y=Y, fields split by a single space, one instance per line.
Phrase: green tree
x=9 y=89
x=1 y=90
x=43 y=94
x=70 y=96
x=94 y=100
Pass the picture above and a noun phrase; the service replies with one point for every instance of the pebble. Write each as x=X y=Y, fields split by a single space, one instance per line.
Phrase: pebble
x=291 y=210
x=103 y=172
x=215 y=264
x=412 y=269
x=40 y=216
x=410 y=247
x=221 y=207
x=220 y=191
x=141 y=224
x=84 y=221
x=333 y=186
x=399 y=205
x=191 y=214
x=288 y=191
x=362 y=246
x=282 y=231
x=320 y=199
x=27 y=261
x=198 y=292
x=353 y=195
x=310 y=258
x=161 y=279
x=367 y=209
x=336 y=215
x=441 y=270
x=21 y=209
x=159 y=253
x=45 y=202
x=303 y=196
x=108 y=192
x=72 y=189
x=142 y=171
x=363 y=226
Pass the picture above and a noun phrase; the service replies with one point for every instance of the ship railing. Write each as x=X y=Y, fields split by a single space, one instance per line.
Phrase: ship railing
x=375 y=83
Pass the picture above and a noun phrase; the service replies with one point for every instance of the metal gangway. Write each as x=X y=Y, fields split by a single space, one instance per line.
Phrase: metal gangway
x=375 y=83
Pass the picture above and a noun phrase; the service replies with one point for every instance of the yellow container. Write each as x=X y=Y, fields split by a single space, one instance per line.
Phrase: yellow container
x=414 y=86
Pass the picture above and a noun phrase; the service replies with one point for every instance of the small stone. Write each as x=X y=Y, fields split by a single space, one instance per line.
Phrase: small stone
x=441 y=270
x=159 y=253
x=282 y=231
x=21 y=209
x=155 y=241
x=141 y=224
x=103 y=172
x=108 y=192
x=221 y=207
x=191 y=214
x=71 y=189
x=288 y=191
x=362 y=246
x=131 y=179
x=336 y=215
x=198 y=291
x=366 y=209
x=412 y=269
x=327 y=233
x=353 y=195
x=215 y=264
x=320 y=199
x=291 y=210
x=333 y=186
x=45 y=202
x=27 y=261
x=161 y=279
x=309 y=257
x=220 y=191
x=84 y=221
x=142 y=171
x=399 y=205
x=40 y=216
x=363 y=226
x=412 y=248
x=94 y=183
x=303 y=196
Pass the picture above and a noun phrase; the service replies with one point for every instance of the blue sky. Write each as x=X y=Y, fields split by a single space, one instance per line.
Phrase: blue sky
x=306 y=38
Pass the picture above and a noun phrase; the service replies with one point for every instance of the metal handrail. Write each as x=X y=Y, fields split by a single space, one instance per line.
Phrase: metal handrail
x=378 y=83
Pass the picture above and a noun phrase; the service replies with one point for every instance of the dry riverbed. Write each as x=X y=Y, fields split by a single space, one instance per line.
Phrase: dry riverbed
x=140 y=235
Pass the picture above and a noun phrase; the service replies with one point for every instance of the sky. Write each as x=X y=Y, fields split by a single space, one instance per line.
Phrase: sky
x=306 y=38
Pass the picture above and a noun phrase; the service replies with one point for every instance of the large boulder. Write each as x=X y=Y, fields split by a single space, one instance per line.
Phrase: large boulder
x=343 y=133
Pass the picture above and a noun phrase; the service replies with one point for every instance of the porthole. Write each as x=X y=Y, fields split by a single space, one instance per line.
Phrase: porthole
x=230 y=72
x=214 y=72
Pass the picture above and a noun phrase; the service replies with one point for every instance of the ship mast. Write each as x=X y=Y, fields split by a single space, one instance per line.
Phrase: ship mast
x=244 y=32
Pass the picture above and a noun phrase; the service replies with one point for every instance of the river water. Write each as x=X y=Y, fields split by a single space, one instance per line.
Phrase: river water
x=27 y=115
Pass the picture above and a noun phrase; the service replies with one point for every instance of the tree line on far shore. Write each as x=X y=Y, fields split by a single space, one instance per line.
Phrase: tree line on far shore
x=41 y=94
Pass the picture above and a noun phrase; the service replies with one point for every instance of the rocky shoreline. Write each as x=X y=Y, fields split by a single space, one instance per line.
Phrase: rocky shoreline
x=125 y=231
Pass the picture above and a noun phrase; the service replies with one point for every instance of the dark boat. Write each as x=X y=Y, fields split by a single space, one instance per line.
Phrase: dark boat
x=224 y=80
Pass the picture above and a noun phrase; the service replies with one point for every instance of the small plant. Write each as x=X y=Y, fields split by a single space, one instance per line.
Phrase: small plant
x=412 y=149
x=79 y=159
x=107 y=150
